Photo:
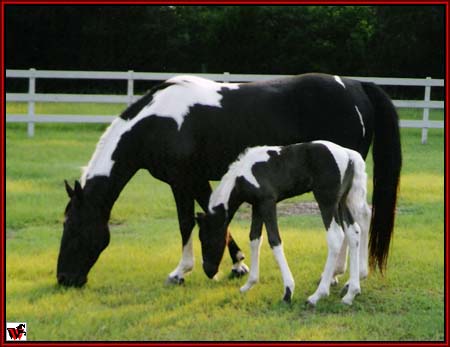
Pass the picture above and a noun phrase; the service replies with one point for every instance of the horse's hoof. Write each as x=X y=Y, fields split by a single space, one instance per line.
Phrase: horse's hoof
x=239 y=271
x=174 y=280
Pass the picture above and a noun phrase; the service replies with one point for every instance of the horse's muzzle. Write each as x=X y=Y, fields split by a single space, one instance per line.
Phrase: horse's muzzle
x=69 y=280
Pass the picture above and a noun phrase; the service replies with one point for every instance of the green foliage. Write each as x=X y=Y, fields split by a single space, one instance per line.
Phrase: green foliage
x=126 y=299
x=400 y=41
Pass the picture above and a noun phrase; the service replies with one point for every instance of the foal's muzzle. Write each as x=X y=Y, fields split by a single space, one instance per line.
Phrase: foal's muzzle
x=210 y=269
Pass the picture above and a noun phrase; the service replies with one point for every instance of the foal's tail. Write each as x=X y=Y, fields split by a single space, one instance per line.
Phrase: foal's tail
x=387 y=159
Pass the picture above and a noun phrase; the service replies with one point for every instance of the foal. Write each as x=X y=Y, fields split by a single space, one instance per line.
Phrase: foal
x=262 y=176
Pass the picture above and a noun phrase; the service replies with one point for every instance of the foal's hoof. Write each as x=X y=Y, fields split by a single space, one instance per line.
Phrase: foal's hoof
x=175 y=280
x=310 y=304
x=287 y=295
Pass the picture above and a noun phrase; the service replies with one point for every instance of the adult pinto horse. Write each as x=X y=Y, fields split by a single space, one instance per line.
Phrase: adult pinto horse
x=188 y=120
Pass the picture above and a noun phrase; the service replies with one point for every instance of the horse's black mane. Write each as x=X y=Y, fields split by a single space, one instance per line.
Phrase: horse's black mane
x=136 y=107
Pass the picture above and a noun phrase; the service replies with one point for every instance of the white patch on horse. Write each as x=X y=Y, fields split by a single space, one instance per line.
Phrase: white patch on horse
x=171 y=102
x=242 y=167
x=187 y=91
x=101 y=162
x=340 y=155
x=338 y=80
x=361 y=120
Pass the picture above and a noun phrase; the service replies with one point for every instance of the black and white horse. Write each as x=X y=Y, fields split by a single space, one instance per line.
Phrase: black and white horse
x=265 y=175
x=190 y=120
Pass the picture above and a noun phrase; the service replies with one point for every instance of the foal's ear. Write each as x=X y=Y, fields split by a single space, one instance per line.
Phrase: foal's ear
x=69 y=190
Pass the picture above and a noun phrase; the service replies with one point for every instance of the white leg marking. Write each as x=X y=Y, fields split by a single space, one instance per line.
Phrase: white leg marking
x=186 y=263
x=363 y=221
x=288 y=280
x=335 y=238
x=357 y=204
x=353 y=233
x=253 y=277
x=341 y=262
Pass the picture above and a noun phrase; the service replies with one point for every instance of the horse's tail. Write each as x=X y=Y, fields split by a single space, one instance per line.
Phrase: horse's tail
x=387 y=162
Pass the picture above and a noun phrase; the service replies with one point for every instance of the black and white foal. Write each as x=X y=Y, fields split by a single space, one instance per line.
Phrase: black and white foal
x=264 y=175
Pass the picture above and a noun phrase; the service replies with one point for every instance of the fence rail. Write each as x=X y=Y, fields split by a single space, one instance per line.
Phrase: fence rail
x=131 y=76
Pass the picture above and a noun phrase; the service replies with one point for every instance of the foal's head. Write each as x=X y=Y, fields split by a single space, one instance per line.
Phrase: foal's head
x=213 y=237
x=85 y=236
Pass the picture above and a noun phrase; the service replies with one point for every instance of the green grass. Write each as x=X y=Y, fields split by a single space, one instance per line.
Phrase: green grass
x=126 y=299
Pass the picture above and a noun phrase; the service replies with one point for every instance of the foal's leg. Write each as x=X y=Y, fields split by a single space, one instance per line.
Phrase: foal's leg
x=202 y=194
x=353 y=233
x=268 y=213
x=341 y=262
x=361 y=213
x=335 y=238
x=255 y=246
x=185 y=209
x=363 y=220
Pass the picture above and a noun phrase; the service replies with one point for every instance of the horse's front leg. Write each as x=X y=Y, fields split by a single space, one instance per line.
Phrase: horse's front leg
x=202 y=193
x=185 y=209
x=239 y=268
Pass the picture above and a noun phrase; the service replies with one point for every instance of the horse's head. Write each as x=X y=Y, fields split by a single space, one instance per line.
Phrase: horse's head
x=213 y=238
x=85 y=236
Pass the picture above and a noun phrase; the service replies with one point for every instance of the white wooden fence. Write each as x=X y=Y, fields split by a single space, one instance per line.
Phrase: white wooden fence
x=130 y=76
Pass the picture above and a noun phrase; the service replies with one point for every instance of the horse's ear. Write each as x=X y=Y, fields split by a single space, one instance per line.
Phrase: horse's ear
x=69 y=190
x=78 y=191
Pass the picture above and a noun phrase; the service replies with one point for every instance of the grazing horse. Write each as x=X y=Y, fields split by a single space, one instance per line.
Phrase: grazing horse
x=189 y=120
x=265 y=175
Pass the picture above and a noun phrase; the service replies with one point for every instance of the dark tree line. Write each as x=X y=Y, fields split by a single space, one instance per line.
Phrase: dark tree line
x=400 y=41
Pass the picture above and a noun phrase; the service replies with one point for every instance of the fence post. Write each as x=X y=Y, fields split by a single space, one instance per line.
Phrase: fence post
x=130 y=88
x=31 y=92
x=426 y=114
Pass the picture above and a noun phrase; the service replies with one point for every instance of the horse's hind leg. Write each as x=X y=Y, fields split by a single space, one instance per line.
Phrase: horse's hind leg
x=185 y=209
x=202 y=194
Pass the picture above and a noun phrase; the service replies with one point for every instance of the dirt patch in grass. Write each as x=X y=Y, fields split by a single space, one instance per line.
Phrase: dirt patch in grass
x=284 y=209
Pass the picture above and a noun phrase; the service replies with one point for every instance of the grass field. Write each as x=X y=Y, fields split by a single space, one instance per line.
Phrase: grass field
x=126 y=298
